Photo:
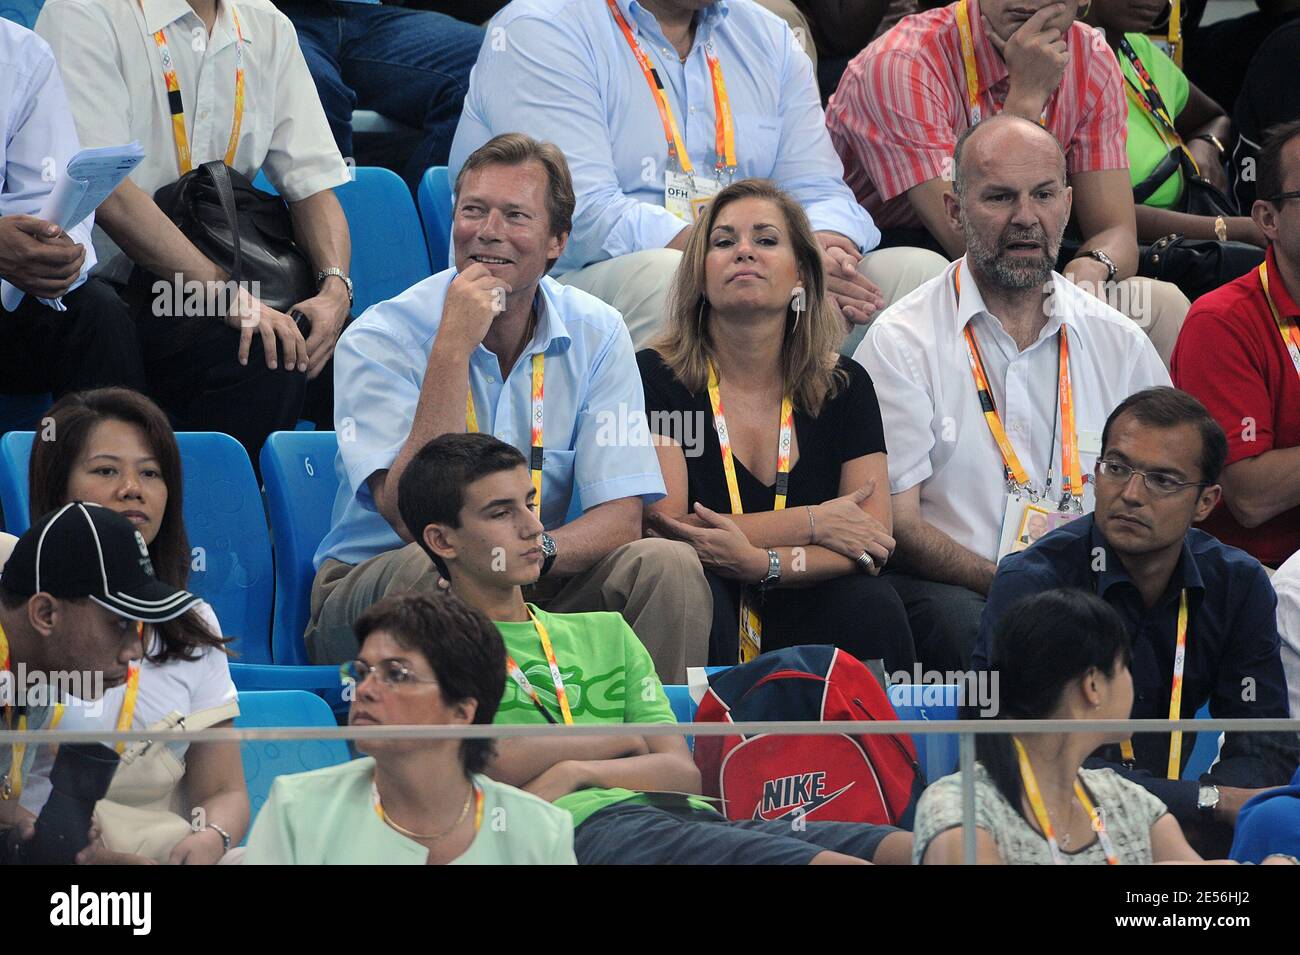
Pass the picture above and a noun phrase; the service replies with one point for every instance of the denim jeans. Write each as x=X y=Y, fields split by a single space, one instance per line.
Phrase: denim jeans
x=409 y=65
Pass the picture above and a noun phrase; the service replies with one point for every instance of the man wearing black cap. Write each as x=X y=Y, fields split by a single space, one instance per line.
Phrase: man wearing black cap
x=71 y=598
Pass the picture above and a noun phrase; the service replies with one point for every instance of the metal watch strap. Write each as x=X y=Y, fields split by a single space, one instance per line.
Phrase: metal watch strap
x=225 y=836
x=337 y=273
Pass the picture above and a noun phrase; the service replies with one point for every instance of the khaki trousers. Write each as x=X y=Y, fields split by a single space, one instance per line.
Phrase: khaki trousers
x=657 y=585
x=637 y=284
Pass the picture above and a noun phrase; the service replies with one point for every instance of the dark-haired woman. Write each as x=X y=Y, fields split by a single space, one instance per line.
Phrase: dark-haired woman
x=791 y=515
x=1059 y=655
x=174 y=802
x=428 y=661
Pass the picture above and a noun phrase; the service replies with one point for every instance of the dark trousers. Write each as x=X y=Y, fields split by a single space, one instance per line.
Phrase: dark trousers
x=857 y=613
x=945 y=620
x=91 y=345
x=633 y=834
x=193 y=371
x=409 y=65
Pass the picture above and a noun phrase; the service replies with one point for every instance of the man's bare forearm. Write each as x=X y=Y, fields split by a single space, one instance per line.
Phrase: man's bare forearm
x=927 y=552
x=151 y=240
x=519 y=761
x=321 y=228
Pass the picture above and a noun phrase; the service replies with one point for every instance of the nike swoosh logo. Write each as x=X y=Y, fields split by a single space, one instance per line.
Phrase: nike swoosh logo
x=807 y=807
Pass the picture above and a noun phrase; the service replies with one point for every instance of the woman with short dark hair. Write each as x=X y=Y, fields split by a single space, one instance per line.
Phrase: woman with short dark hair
x=1058 y=655
x=423 y=661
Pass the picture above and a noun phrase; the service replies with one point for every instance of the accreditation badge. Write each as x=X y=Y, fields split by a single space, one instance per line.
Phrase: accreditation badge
x=1025 y=520
x=687 y=196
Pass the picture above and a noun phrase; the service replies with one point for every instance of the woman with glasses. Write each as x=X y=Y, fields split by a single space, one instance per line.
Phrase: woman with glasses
x=424 y=661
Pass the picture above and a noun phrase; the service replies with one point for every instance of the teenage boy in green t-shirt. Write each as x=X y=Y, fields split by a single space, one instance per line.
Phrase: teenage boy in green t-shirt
x=468 y=499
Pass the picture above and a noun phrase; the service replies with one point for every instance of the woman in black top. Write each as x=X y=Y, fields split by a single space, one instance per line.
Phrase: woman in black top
x=749 y=303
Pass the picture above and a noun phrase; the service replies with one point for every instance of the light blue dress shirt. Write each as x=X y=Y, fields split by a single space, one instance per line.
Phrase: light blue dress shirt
x=592 y=387
x=561 y=70
x=39 y=136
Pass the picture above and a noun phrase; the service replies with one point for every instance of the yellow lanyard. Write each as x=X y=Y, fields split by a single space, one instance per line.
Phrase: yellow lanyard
x=1071 y=468
x=724 y=126
x=1036 y=803
x=11 y=784
x=535 y=434
x=751 y=626
x=968 y=59
x=561 y=694
x=1175 y=696
x=174 y=103
x=1286 y=327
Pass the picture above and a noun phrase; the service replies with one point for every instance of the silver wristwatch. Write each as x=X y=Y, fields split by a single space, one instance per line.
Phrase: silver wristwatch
x=1207 y=800
x=225 y=836
x=323 y=274
x=773 y=571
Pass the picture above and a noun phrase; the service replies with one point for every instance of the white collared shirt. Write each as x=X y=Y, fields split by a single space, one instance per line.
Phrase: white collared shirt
x=938 y=438
x=110 y=62
x=1287 y=584
x=37 y=136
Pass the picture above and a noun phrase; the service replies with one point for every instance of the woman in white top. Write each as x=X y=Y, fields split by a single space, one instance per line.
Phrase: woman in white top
x=424 y=661
x=1060 y=655
x=115 y=447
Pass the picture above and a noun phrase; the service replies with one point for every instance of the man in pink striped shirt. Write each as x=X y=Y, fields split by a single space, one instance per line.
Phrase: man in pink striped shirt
x=905 y=100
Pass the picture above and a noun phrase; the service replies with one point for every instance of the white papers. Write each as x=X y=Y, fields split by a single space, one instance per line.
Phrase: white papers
x=91 y=176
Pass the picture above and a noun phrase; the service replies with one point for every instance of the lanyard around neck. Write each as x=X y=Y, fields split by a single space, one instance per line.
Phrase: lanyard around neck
x=174 y=103
x=1286 y=327
x=1175 y=697
x=783 y=447
x=968 y=60
x=516 y=673
x=1072 y=469
x=724 y=125
x=1036 y=803
x=535 y=451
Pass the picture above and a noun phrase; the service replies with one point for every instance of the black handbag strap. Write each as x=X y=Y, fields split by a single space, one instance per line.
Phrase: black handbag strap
x=219 y=173
x=1145 y=189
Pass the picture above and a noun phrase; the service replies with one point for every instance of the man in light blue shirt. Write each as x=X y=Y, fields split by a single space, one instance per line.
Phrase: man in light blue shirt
x=520 y=346
x=68 y=333
x=566 y=70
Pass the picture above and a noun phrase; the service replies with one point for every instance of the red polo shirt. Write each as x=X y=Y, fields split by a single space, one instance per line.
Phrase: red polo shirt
x=1231 y=357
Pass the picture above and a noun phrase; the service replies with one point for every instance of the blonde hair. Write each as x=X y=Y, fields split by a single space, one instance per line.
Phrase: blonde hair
x=809 y=371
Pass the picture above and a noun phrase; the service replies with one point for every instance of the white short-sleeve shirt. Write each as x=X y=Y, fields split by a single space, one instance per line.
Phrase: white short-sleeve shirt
x=113 y=72
x=938 y=438
x=182 y=686
x=1287 y=584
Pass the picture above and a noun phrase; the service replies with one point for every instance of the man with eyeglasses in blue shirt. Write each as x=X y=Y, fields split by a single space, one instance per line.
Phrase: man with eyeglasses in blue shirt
x=1162 y=454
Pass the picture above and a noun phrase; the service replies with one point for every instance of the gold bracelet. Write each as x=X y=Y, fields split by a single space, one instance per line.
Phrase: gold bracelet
x=1221 y=228
x=812 y=526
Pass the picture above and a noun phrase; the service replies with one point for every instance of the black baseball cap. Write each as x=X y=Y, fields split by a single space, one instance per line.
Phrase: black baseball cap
x=85 y=550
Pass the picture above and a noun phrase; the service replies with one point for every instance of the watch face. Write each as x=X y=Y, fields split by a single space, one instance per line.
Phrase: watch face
x=548 y=545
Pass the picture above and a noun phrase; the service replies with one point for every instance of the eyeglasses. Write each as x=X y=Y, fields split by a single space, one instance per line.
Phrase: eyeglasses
x=388 y=672
x=1283 y=196
x=1156 y=481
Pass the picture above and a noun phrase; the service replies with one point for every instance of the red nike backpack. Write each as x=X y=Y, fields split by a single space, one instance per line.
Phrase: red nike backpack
x=825 y=778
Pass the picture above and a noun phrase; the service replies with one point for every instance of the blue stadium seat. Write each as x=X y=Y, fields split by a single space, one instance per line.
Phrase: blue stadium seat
x=21 y=11
x=388 y=250
x=434 y=196
x=229 y=539
x=265 y=760
x=937 y=753
x=231 y=566
x=386 y=259
x=298 y=468
x=679 y=698
x=15 y=453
